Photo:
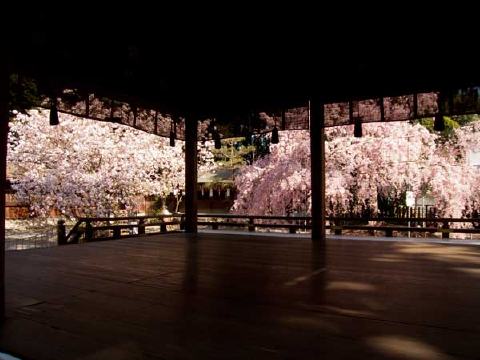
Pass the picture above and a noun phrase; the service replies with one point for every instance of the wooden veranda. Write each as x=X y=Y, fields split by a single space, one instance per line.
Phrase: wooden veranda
x=184 y=296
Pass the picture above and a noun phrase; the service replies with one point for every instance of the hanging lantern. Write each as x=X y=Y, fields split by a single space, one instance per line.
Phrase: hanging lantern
x=248 y=139
x=275 y=138
x=212 y=129
x=357 y=130
x=439 y=123
x=172 y=134
x=54 y=114
x=218 y=141
x=248 y=134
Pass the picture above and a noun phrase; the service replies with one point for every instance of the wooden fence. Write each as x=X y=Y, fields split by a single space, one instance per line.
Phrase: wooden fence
x=106 y=228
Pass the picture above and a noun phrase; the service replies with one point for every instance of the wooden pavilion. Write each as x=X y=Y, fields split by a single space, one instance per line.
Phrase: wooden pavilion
x=184 y=296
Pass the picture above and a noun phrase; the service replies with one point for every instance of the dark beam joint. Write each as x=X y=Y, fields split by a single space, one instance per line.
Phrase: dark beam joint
x=382 y=109
x=111 y=110
x=134 y=110
x=87 y=106
x=439 y=123
x=415 y=106
x=351 y=119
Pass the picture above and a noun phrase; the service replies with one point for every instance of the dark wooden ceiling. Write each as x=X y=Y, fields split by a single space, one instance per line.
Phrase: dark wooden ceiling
x=231 y=64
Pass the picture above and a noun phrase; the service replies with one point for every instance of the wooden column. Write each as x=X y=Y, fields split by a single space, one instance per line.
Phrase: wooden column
x=317 y=157
x=4 y=83
x=191 y=205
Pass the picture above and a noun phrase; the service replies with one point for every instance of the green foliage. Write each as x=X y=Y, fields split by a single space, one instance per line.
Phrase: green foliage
x=466 y=119
x=231 y=153
x=238 y=151
x=221 y=185
x=450 y=126
x=261 y=146
x=161 y=203
x=390 y=200
x=23 y=93
x=230 y=126
x=158 y=204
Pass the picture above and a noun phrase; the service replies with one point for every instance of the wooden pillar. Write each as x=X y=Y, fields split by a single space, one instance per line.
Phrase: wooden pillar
x=141 y=226
x=89 y=232
x=191 y=205
x=317 y=158
x=163 y=226
x=4 y=118
x=61 y=233
x=117 y=232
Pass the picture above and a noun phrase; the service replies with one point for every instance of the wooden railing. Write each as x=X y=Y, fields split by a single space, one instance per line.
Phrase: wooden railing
x=293 y=224
x=105 y=228
x=340 y=224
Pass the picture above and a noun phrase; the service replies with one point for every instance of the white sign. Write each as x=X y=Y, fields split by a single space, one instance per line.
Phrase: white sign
x=474 y=158
x=410 y=198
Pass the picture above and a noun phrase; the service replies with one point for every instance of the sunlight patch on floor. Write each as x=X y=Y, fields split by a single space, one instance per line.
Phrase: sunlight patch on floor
x=349 y=312
x=404 y=348
x=470 y=271
x=442 y=253
x=389 y=258
x=350 y=285
x=303 y=278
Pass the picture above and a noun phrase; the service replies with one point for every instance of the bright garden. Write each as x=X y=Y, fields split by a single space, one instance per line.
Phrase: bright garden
x=84 y=167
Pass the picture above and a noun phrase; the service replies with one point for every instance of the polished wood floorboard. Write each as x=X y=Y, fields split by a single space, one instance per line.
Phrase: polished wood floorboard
x=217 y=296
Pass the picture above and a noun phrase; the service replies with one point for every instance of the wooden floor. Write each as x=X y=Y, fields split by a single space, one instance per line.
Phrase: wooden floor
x=243 y=297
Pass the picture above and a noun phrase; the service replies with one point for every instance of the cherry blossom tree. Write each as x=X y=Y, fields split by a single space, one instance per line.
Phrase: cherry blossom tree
x=389 y=159
x=453 y=180
x=278 y=183
x=86 y=167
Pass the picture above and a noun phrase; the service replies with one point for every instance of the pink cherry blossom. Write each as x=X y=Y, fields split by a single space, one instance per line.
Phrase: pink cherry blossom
x=86 y=167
